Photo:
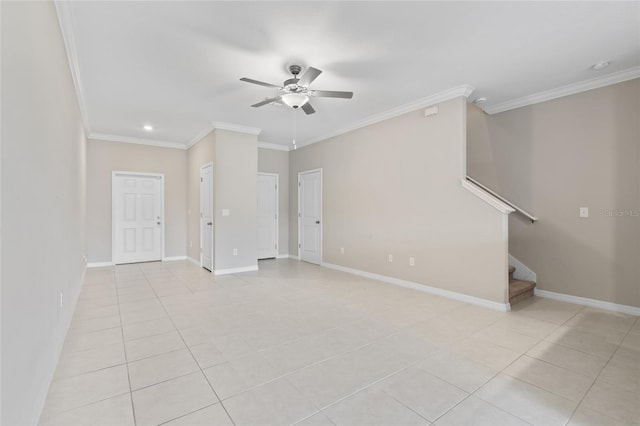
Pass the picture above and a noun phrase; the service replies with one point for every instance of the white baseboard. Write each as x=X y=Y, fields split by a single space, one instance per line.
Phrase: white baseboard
x=98 y=264
x=174 y=258
x=523 y=272
x=235 y=270
x=503 y=307
x=625 y=309
x=194 y=261
x=286 y=256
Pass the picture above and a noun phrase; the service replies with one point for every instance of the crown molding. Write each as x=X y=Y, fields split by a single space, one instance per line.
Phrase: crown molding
x=455 y=92
x=235 y=128
x=276 y=146
x=199 y=136
x=137 y=141
x=65 y=20
x=570 y=89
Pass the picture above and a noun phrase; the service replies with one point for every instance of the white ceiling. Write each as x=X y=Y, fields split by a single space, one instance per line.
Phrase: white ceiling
x=176 y=65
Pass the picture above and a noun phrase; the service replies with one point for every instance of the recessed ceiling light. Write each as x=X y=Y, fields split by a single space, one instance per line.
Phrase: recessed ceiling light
x=148 y=127
x=600 y=65
x=479 y=101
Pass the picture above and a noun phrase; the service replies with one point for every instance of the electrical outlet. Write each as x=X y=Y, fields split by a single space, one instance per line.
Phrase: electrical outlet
x=584 y=211
x=390 y=258
x=412 y=261
x=190 y=243
x=235 y=252
x=341 y=250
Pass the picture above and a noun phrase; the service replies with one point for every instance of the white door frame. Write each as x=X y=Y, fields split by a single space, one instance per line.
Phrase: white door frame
x=117 y=173
x=277 y=208
x=321 y=212
x=209 y=164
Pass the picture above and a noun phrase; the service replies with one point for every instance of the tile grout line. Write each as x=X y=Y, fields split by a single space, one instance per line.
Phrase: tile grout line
x=502 y=372
x=124 y=347
x=197 y=363
x=599 y=374
x=396 y=331
x=99 y=369
x=553 y=393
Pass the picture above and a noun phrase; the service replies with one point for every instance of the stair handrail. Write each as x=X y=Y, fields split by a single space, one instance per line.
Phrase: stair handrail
x=520 y=210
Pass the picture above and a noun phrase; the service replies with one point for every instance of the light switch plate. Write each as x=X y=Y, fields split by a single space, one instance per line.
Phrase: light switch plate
x=226 y=212
x=584 y=211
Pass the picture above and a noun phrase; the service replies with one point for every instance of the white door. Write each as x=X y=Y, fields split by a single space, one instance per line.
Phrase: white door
x=137 y=217
x=310 y=216
x=267 y=215
x=206 y=217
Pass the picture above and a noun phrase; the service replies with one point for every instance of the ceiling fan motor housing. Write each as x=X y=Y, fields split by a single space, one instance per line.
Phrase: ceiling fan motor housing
x=295 y=69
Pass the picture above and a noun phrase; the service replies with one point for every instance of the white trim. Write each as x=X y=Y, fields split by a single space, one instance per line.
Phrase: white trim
x=488 y=198
x=114 y=174
x=199 y=136
x=65 y=19
x=194 y=261
x=235 y=270
x=570 y=89
x=213 y=215
x=275 y=146
x=235 y=128
x=137 y=141
x=502 y=307
x=277 y=176
x=625 y=309
x=99 y=264
x=454 y=92
x=321 y=213
x=523 y=272
x=283 y=256
x=505 y=257
x=174 y=258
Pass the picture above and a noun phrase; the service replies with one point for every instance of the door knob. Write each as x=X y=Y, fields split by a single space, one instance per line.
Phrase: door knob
x=317 y=222
x=209 y=223
x=158 y=223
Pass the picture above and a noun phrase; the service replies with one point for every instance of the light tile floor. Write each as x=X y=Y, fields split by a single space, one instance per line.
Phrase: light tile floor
x=167 y=343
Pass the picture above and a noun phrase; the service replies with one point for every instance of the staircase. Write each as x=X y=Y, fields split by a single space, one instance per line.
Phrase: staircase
x=519 y=290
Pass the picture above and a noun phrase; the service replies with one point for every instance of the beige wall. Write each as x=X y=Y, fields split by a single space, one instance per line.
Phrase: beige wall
x=235 y=166
x=235 y=184
x=395 y=188
x=555 y=157
x=200 y=154
x=43 y=204
x=274 y=161
x=104 y=157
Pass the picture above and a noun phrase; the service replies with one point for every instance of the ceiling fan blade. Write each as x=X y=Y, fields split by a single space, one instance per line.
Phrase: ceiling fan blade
x=331 y=94
x=309 y=75
x=260 y=83
x=307 y=108
x=267 y=101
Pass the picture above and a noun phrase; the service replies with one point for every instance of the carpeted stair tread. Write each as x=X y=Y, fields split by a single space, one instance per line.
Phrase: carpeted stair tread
x=520 y=290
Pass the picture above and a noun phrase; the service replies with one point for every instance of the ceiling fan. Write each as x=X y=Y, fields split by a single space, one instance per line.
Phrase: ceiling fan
x=296 y=92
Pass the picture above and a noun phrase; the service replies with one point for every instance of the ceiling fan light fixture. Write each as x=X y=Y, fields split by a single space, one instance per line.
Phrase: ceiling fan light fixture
x=295 y=100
